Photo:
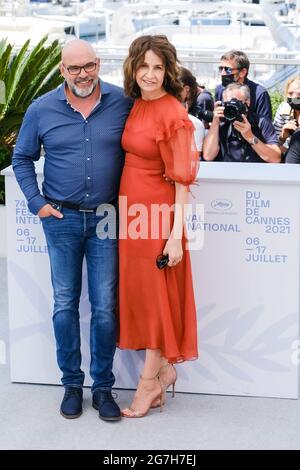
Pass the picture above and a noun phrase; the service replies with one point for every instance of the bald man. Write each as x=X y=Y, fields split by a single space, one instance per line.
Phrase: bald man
x=79 y=124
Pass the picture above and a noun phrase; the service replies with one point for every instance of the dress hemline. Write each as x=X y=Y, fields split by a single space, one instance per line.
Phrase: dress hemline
x=170 y=359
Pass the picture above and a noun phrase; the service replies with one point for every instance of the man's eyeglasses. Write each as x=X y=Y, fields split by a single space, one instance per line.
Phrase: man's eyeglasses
x=76 y=69
x=228 y=70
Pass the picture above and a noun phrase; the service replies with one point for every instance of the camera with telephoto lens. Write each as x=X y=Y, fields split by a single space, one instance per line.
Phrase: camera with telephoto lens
x=234 y=109
x=205 y=115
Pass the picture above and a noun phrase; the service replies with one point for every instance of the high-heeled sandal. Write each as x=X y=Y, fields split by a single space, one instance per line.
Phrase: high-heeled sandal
x=166 y=382
x=136 y=414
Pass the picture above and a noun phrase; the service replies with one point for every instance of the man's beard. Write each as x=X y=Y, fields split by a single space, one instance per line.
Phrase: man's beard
x=83 y=92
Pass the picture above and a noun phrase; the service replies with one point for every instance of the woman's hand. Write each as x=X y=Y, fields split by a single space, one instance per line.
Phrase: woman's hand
x=288 y=128
x=173 y=248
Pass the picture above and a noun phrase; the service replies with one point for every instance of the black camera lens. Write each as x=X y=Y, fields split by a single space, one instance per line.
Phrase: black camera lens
x=205 y=115
x=234 y=109
x=230 y=112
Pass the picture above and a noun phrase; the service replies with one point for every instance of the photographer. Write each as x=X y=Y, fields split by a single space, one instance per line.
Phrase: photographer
x=233 y=137
x=188 y=96
x=234 y=67
x=203 y=112
x=203 y=106
x=293 y=154
x=287 y=117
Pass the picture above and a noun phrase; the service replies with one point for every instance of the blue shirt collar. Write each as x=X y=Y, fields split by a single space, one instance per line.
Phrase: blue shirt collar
x=104 y=87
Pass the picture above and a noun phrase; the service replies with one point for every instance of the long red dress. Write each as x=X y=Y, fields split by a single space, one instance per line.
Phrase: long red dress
x=157 y=307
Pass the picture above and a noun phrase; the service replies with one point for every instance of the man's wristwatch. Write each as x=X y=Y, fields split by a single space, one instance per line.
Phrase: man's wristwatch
x=254 y=140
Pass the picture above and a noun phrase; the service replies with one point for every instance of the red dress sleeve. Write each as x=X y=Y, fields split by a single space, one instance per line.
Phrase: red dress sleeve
x=178 y=151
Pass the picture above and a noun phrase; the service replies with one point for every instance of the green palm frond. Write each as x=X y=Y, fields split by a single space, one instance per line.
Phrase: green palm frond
x=40 y=69
x=2 y=45
x=10 y=125
x=24 y=76
x=15 y=71
x=5 y=59
x=4 y=67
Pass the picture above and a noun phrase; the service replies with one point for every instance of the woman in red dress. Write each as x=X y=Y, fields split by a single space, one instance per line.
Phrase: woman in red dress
x=157 y=308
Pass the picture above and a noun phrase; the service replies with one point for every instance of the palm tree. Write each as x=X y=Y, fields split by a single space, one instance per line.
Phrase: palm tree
x=23 y=76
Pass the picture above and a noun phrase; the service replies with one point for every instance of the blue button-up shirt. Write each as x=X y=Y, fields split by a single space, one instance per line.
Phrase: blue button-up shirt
x=83 y=156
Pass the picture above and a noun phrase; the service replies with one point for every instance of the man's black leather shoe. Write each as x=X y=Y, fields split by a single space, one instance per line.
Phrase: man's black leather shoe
x=71 y=406
x=108 y=409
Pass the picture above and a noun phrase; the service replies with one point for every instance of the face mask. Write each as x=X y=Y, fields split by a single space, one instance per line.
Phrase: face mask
x=294 y=103
x=227 y=79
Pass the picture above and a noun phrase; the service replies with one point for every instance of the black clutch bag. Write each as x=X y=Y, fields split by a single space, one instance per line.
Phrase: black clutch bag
x=162 y=261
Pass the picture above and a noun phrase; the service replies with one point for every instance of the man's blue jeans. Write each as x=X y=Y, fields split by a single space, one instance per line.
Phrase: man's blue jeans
x=70 y=239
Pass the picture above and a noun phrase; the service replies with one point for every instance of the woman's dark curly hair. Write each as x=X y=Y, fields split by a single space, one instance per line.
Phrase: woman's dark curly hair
x=187 y=78
x=160 y=45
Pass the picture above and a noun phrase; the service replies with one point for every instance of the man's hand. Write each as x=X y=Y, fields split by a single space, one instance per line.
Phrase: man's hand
x=218 y=111
x=244 y=128
x=48 y=210
x=211 y=142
